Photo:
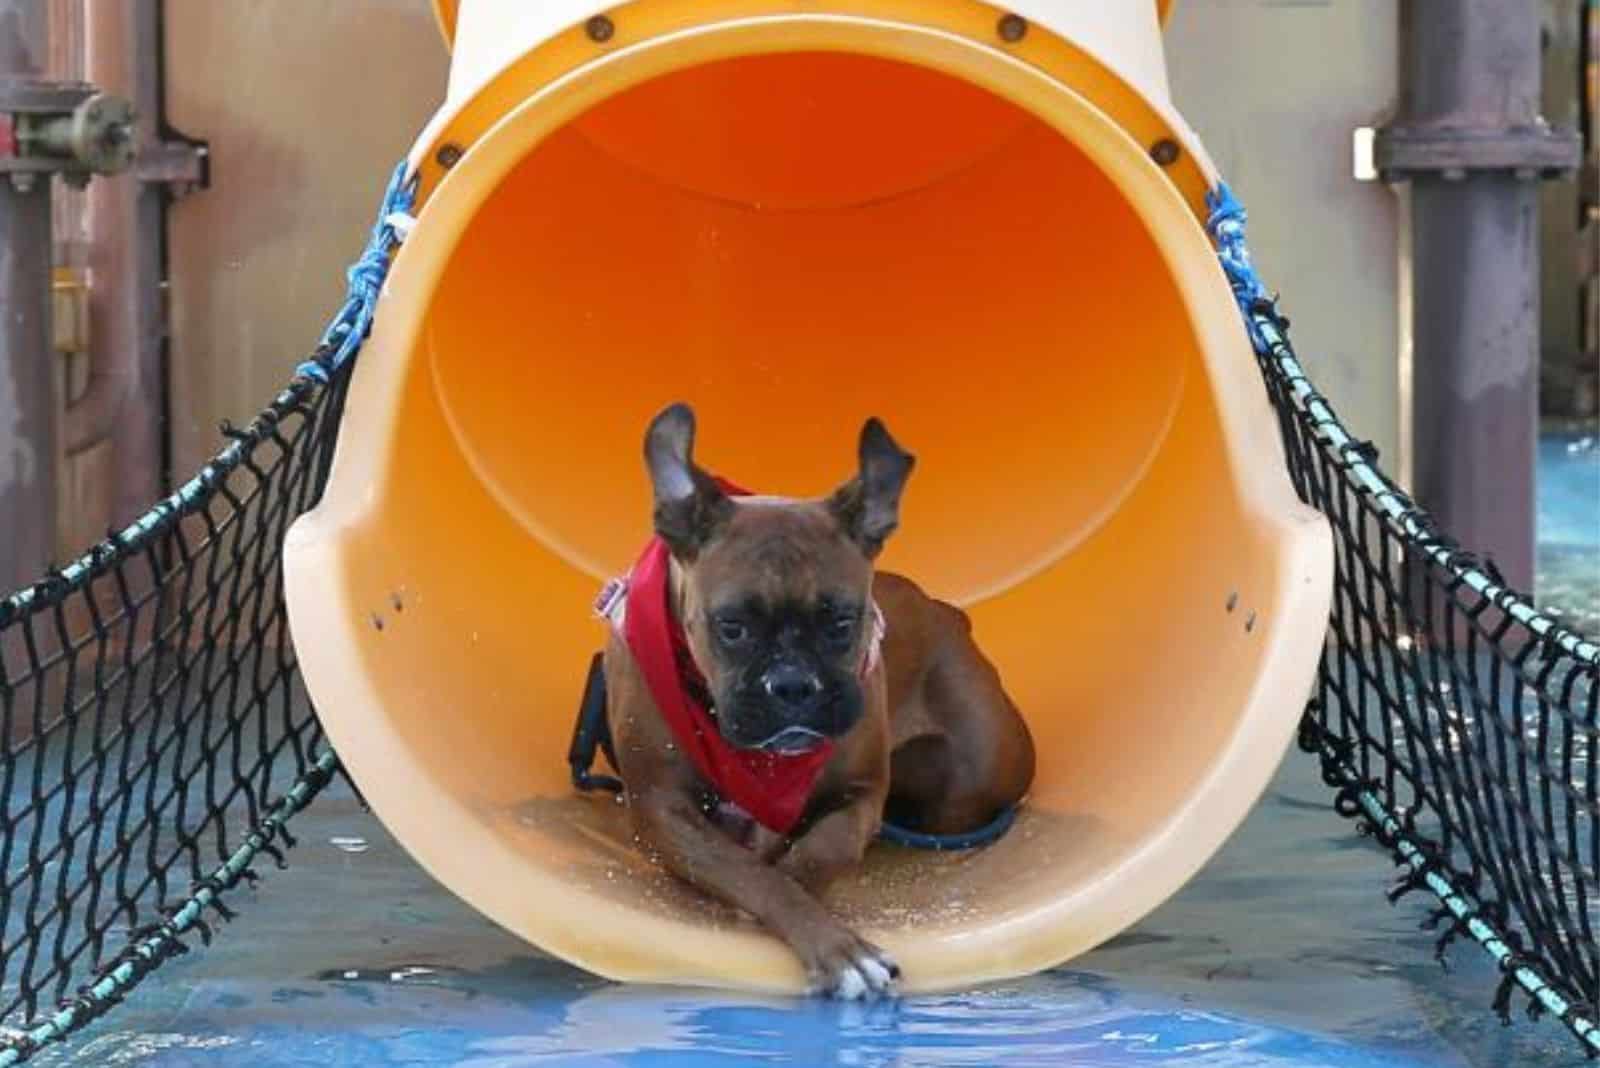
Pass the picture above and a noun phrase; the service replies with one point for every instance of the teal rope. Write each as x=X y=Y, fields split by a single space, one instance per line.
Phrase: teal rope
x=1404 y=514
x=340 y=343
x=1409 y=856
x=186 y=500
x=1226 y=225
x=148 y=953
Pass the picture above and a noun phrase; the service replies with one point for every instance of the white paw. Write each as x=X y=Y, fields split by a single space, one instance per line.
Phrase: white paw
x=857 y=971
x=879 y=972
x=850 y=986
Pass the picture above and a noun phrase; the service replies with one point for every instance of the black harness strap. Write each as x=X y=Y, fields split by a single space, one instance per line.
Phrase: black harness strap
x=592 y=733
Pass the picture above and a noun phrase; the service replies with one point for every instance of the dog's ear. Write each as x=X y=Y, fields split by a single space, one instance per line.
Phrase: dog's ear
x=689 y=505
x=868 y=506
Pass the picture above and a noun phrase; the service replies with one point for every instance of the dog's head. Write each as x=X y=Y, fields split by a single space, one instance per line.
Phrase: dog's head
x=775 y=594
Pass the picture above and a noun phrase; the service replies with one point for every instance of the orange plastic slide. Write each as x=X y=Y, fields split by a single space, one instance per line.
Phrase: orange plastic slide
x=984 y=226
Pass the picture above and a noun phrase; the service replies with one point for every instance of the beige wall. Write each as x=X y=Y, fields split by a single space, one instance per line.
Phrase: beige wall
x=307 y=105
x=1275 y=88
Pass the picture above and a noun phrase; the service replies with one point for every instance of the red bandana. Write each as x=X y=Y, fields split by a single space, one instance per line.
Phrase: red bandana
x=772 y=787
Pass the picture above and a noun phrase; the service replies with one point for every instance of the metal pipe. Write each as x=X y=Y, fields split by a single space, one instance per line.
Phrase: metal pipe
x=1470 y=138
x=27 y=365
x=92 y=416
x=1475 y=397
x=123 y=400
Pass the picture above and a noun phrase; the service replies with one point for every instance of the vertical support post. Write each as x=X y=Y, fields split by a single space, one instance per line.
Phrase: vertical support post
x=1475 y=386
x=1475 y=64
x=27 y=366
x=1470 y=138
x=125 y=400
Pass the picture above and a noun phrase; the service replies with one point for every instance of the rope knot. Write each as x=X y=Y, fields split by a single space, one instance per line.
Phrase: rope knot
x=364 y=281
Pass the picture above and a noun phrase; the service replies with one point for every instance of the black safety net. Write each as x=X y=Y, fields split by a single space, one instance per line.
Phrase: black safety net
x=1456 y=722
x=152 y=723
x=156 y=737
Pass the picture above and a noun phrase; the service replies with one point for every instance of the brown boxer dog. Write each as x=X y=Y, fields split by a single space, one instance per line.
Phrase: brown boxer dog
x=778 y=605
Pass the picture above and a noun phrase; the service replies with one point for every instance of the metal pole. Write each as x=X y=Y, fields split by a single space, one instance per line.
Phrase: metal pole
x=1470 y=138
x=124 y=400
x=27 y=366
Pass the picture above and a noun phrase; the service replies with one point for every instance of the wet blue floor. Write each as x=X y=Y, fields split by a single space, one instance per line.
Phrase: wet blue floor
x=1569 y=527
x=1282 y=952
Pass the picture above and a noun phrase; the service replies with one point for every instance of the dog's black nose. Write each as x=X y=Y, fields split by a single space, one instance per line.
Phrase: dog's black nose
x=793 y=687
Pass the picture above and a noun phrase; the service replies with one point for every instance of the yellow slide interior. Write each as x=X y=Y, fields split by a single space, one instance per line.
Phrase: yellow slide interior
x=792 y=240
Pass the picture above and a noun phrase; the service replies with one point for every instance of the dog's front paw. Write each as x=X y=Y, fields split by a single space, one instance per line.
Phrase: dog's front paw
x=842 y=965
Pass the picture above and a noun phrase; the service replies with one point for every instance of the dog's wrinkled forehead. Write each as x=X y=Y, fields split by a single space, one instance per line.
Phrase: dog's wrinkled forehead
x=782 y=552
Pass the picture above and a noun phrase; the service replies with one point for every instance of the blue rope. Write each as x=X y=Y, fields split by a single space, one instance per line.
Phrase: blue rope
x=1225 y=224
x=350 y=326
x=982 y=836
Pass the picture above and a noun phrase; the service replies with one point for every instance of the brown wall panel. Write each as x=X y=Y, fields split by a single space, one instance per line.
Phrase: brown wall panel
x=307 y=106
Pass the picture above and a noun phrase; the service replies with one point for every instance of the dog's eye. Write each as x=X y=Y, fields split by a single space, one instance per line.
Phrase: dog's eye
x=842 y=627
x=731 y=631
